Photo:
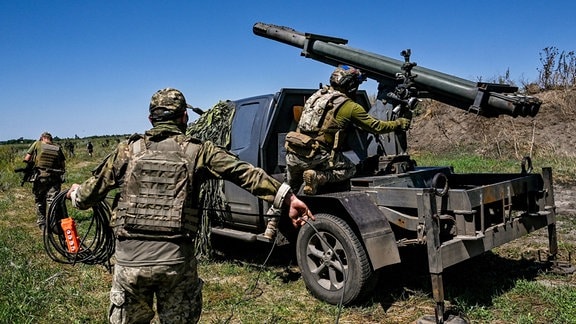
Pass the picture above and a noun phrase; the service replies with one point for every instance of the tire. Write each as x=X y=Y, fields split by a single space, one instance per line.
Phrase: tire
x=333 y=261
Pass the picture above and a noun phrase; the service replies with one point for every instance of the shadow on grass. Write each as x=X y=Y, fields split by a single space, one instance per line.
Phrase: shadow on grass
x=251 y=253
x=476 y=281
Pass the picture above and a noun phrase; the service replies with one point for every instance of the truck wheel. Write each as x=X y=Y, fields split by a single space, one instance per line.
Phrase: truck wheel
x=333 y=262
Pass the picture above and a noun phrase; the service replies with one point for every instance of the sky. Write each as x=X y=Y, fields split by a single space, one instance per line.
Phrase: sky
x=89 y=68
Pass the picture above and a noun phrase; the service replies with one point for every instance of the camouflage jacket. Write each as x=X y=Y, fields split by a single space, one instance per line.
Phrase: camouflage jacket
x=351 y=112
x=213 y=162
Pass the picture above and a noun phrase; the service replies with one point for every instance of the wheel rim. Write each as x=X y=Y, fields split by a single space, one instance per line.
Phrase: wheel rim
x=326 y=259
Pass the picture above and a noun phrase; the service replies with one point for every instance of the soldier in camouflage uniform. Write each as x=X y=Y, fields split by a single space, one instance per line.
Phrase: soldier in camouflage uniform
x=49 y=166
x=313 y=151
x=89 y=148
x=164 y=266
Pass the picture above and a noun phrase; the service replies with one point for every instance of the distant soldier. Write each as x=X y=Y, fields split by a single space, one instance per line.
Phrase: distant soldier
x=49 y=168
x=90 y=148
x=69 y=148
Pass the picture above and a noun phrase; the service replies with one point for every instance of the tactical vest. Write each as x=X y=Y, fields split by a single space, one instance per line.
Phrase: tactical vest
x=49 y=160
x=156 y=199
x=318 y=115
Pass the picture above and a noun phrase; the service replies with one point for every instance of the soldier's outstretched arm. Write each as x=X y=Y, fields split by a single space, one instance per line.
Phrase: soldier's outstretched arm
x=225 y=165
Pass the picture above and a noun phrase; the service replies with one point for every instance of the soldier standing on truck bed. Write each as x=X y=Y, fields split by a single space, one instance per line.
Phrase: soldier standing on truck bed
x=48 y=170
x=314 y=153
x=156 y=216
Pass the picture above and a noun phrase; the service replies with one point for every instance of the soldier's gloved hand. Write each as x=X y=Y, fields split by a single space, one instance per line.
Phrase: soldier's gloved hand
x=73 y=188
x=402 y=124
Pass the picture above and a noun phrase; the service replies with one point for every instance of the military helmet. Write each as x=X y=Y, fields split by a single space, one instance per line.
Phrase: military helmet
x=346 y=78
x=167 y=103
x=46 y=135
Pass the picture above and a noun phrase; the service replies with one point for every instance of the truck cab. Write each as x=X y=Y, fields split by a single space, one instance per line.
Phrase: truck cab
x=259 y=127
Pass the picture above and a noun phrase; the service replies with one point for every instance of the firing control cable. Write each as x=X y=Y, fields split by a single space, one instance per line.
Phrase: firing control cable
x=92 y=245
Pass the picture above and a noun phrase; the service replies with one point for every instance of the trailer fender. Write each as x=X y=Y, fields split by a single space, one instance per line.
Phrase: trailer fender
x=374 y=229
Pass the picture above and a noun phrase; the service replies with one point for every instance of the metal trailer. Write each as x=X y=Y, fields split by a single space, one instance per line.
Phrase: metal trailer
x=455 y=216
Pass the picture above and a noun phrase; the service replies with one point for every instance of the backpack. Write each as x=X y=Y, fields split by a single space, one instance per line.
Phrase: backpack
x=319 y=111
x=155 y=196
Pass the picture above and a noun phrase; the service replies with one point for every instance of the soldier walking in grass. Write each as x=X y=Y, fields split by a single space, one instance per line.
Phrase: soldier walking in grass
x=90 y=148
x=156 y=214
x=48 y=171
x=69 y=146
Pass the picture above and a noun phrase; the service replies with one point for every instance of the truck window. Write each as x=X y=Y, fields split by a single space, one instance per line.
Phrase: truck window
x=242 y=125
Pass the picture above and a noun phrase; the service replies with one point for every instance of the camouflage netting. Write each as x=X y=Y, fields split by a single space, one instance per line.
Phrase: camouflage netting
x=214 y=125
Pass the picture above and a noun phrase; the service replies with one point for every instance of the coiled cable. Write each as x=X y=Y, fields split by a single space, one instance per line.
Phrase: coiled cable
x=96 y=242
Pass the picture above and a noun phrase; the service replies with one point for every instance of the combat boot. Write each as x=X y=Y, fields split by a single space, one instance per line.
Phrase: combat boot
x=40 y=218
x=271 y=228
x=313 y=179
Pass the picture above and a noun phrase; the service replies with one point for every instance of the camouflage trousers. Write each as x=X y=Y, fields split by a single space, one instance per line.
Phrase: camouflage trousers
x=45 y=190
x=335 y=168
x=177 y=289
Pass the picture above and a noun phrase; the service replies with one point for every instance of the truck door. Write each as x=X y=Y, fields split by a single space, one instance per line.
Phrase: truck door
x=247 y=128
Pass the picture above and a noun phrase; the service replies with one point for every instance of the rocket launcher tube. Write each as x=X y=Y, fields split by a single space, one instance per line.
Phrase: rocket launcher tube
x=485 y=99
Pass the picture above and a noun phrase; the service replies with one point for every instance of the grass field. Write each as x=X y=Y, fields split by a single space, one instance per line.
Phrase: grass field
x=507 y=285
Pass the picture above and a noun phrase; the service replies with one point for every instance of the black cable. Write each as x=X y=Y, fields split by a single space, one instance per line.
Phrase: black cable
x=96 y=243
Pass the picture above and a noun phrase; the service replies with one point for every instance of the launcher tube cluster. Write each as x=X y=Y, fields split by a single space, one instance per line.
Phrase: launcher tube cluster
x=486 y=99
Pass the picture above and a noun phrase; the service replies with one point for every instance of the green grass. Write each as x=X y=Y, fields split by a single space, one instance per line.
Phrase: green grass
x=534 y=302
x=36 y=290
x=564 y=169
x=465 y=163
x=507 y=285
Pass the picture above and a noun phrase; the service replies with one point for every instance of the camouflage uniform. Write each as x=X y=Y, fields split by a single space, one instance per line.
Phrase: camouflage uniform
x=329 y=163
x=177 y=288
x=48 y=180
x=164 y=268
x=90 y=148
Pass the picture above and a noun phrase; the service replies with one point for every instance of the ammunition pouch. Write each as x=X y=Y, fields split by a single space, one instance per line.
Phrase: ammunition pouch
x=48 y=173
x=338 y=141
x=301 y=144
x=43 y=173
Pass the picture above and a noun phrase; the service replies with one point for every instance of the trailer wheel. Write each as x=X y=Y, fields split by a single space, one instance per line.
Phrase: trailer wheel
x=333 y=261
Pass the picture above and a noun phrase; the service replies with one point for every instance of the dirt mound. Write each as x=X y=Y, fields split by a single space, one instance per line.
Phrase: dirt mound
x=441 y=128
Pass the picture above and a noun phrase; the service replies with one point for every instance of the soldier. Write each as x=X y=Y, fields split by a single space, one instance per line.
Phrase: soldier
x=49 y=167
x=90 y=148
x=155 y=216
x=313 y=150
x=69 y=146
